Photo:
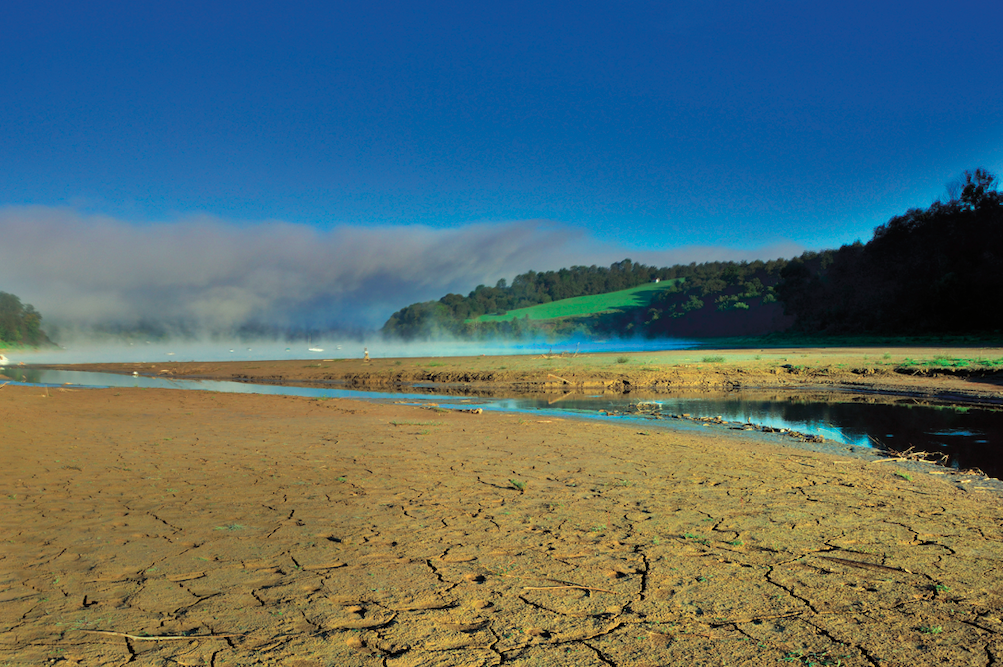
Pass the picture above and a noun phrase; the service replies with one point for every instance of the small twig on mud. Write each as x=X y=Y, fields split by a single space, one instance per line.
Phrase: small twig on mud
x=869 y=566
x=160 y=638
x=759 y=619
x=551 y=375
x=550 y=588
x=755 y=619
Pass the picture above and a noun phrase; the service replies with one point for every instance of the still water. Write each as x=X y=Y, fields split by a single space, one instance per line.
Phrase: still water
x=971 y=437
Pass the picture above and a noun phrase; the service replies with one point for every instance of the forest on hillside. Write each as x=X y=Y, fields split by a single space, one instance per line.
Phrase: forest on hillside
x=20 y=324
x=937 y=270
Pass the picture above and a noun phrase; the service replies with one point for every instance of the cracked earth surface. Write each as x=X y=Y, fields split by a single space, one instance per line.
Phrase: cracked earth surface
x=152 y=527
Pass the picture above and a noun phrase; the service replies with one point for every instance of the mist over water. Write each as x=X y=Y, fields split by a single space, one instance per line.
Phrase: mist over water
x=160 y=351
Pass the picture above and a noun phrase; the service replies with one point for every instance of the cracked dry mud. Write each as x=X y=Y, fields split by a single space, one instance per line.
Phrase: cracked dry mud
x=189 y=528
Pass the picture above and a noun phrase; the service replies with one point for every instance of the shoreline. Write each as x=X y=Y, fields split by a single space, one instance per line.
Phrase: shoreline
x=882 y=371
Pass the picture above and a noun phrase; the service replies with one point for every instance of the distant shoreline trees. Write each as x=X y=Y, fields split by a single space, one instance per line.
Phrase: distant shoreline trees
x=20 y=324
x=703 y=300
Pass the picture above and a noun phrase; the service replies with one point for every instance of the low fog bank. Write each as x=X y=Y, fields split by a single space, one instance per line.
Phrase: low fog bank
x=204 y=276
x=163 y=351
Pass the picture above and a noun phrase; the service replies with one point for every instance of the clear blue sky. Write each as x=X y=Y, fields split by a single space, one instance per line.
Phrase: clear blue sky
x=630 y=128
x=723 y=123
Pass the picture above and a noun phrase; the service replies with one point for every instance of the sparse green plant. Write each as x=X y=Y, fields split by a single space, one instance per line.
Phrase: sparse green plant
x=712 y=359
x=521 y=486
x=931 y=629
x=736 y=543
x=697 y=538
x=906 y=476
x=622 y=360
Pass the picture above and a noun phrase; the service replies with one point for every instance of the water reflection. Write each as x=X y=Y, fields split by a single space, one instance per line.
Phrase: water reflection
x=971 y=437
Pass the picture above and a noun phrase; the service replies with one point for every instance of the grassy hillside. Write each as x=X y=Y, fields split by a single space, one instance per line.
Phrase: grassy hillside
x=635 y=297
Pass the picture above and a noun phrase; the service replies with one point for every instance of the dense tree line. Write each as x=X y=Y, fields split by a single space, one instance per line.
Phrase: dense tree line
x=937 y=270
x=20 y=324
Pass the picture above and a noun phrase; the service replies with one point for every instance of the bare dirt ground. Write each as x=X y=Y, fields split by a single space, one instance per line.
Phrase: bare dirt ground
x=161 y=527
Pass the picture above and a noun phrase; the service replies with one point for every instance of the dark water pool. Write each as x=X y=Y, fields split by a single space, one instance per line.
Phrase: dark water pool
x=970 y=437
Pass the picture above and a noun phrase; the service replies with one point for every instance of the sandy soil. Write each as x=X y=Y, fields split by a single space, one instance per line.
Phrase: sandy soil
x=153 y=527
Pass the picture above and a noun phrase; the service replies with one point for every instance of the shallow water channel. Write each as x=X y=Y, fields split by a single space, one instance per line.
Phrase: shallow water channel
x=971 y=437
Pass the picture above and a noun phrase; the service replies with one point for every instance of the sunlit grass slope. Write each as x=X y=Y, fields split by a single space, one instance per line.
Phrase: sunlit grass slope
x=579 y=306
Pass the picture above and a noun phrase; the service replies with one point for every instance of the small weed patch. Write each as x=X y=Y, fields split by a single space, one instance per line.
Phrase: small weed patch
x=954 y=362
x=713 y=359
x=697 y=538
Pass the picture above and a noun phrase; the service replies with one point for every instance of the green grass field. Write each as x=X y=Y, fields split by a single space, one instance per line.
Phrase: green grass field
x=579 y=306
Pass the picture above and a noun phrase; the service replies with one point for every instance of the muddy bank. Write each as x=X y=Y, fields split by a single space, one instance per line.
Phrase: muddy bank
x=893 y=371
x=192 y=528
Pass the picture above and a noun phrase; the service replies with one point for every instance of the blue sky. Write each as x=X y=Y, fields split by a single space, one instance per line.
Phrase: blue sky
x=639 y=127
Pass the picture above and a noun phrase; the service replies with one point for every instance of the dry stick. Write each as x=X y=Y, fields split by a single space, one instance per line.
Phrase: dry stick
x=563 y=585
x=551 y=375
x=793 y=614
x=157 y=639
x=868 y=566
x=550 y=588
